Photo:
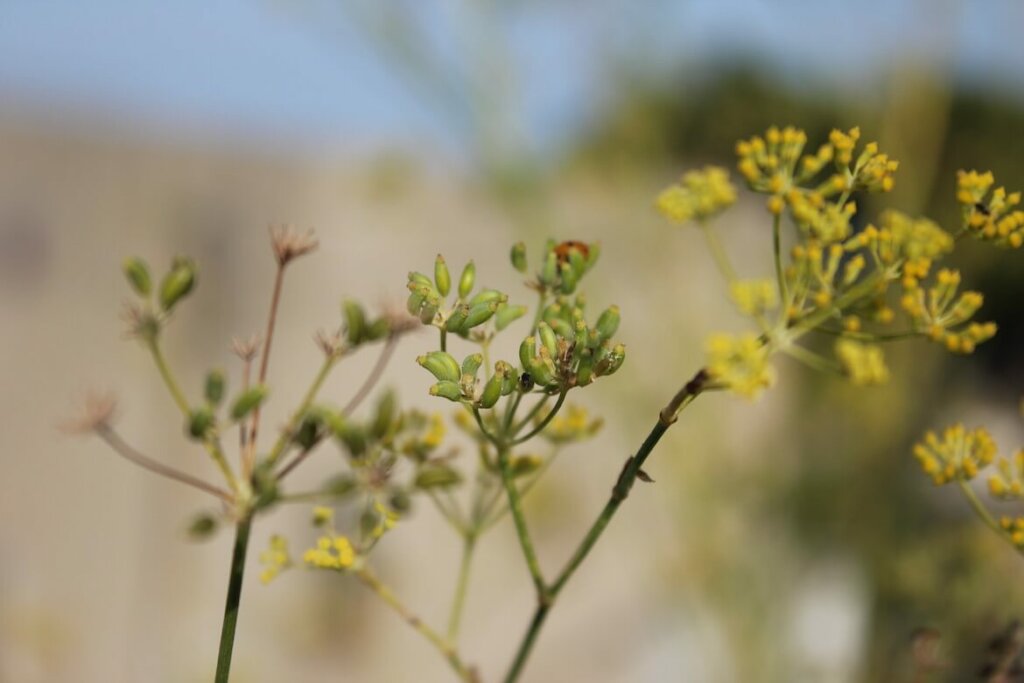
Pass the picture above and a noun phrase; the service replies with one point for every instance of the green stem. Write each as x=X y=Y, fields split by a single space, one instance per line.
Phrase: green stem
x=812 y=360
x=227 y=633
x=444 y=339
x=515 y=505
x=718 y=253
x=544 y=423
x=780 y=277
x=980 y=509
x=307 y=400
x=461 y=586
x=443 y=646
x=620 y=491
x=537 y=407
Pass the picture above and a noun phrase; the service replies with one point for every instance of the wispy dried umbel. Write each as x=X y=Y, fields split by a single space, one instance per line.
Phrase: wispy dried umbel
x=288 y=243
x=245 y=349
x=331 y=343
x=96 y=411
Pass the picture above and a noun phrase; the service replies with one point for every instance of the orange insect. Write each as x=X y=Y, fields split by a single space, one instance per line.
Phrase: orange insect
x=562 y=250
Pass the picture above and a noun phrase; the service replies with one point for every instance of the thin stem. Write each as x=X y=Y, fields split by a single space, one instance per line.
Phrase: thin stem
x=542 y=296
x=980 y=509
x=246 y=372
x=227 y=633
x=532 y=414
x=515 y=505
x=375 y=374
x=451 y=516
x=307 y=400
x=510 y=410
x=275 y=299
x=122 y=448
x=490 y=518
x=623 y=485
x=461 y=586
x=869 y=336
x=718 y=253
x=444 y=339
x=777 y=255
x=811 y=359
x=543 y=423
x=443 y=646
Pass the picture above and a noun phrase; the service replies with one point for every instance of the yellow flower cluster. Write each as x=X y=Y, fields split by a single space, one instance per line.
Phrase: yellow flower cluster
x=275 y=558
x=817 y=274
x=572 y=424
x=958 y=455
x=754 y=297
x=386 y=520
x=740 y=363
x=991 y=218
x=331 y=552
x=323 y=516
x=907 y=245
x=824 y=221
x=864 y=364
x=1008 y=482
x=698 y=195
x=424 y=433
x=1014 y=528
x=938 y=312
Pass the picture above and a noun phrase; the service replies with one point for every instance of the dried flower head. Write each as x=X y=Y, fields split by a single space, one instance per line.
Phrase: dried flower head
x=331 y=343
x=97 y=410
x=290 y=244
x=245 y=349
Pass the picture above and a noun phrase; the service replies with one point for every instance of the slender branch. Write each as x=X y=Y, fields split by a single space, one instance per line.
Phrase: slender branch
x=450 y=516
x=444 y=647
x=275 y=300
x=544 y=423
x=812 y=360
x=515 y=505
x=246 y=464
x=718 y=253
x=307 y=400
x=630 y=470
x=122 y=448
x=444 y=339
x=780 y=277
x=461 y=586
x=537 y=407
x=982 y=512
x=373 y=377
x=227 y=634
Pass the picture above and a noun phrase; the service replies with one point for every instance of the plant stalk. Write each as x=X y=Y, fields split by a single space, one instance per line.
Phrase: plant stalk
x=227 y=633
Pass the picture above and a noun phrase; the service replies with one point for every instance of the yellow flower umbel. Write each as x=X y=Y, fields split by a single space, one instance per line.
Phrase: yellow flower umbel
x=331 y=552
x=939 y=310
x=992 y=218
x=1008 y=482
x=740 y=363
x=572 y=424
x=754 y=297
x=275 y=558
x=698 y=195
x=958 y=455
x=864 y=364
x=907 y=246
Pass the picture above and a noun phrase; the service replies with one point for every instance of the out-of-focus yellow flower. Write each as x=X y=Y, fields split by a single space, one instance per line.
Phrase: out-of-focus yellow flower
x=909 y=244
x=331 y=552
x=824 y=221
x=754 y=297
x=959 y=454
x=864 y=364
x=572 y=424
x=740 y=362
x=275 y=558
x=992 y=218
x=1008 y=482
x=938 y=311
x=698 y=195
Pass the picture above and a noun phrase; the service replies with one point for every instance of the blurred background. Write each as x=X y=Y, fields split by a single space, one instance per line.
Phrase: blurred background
x=791 y=539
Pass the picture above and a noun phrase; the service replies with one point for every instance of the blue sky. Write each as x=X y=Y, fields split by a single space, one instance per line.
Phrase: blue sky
x=306 y=75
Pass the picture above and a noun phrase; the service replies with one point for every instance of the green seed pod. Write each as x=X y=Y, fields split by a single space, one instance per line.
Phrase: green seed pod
x=582 y=334
x=310 y=430
x=578 y=263
x=543 y=368
x=340 y=486
x=492 y=390
x=427 y=314
x=441 y=365
x=384 y=416
x=569 y=278
x=608 y=323
x=471 y=364
x=467 y=280
x=246 y=401
x=457 y=320
x=467 y=384
x=400 y=501
x=355 y=321
x=527 y=352
x=449 y=390
x=202 y=526
x=137 y=272
x=549 y=273
x=178 y=282
x=487 y=296
x=547 y=337
x=369 y=522
x=414 y=303
x=354 y=438
x=593 y=252
x=419 y=280
x=509 y=377
x=585 y=369
x=561 y=328
x=200 y=422
x=524 y=464
x=377 y=330
x=518 y=257
x=442 y=277
x=214 y=388
x=479 y=314
x=506 y=315
x=436 y=476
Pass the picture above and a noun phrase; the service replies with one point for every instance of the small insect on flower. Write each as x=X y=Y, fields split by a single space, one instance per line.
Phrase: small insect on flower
x=526 y=381
x=563 y=249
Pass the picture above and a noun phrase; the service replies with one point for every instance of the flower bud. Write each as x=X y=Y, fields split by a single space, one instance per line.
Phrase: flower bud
x=449 y=390
x=518 y=257
x=178 y=282
x=355 y=321
x=200 y=422
x=137 y=272
x=442 y=277
x=214 y=389
x=246 y=401
x=467 y=280
x=608 y=323
x=506 y=315
x=441 y=365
